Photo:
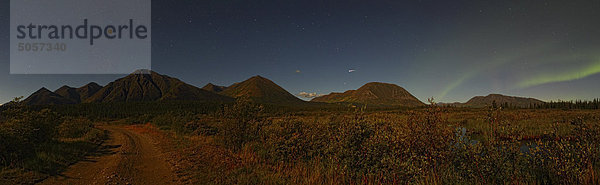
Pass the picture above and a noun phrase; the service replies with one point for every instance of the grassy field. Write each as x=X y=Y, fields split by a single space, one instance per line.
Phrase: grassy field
x=241 y=144
x=247 y=143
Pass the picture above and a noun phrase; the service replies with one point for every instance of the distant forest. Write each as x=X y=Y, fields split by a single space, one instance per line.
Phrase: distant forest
x=577 y=104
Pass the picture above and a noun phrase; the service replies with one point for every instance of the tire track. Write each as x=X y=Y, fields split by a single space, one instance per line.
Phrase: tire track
x=126 y=158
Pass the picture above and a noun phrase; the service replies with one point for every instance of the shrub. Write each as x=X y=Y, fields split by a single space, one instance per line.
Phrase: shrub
x=23 y=131
x=74 y=127
x=241 y=123
x=175 y=121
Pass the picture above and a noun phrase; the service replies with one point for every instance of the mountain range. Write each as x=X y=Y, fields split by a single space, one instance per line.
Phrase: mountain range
x=146 y=85
x=47 y=97
x=80 y=94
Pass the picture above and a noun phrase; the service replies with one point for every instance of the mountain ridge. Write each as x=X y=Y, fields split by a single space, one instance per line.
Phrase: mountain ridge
x=44 y=96
x=498 y=100
x=151 y=86
x=214 y=88
x=373 y=93
x=78 y=94
x=262 y=90
x=147 y=85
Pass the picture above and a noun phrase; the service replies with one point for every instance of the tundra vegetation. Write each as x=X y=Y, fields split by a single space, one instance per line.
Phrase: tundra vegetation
x=248 y=143
x=37 y=143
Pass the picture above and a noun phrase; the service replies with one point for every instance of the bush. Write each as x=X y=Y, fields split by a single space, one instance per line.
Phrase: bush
x=287 y=141
x=174 y=121
x=74 y=128
x=23 y=131
x=203 y=125
x=241 y=123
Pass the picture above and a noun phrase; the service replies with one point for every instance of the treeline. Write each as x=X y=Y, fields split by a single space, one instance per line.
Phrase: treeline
x=101 y=111
x=121 y=110
x=577 y=104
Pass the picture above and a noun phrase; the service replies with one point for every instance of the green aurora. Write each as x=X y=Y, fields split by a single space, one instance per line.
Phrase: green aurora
x=565 y=76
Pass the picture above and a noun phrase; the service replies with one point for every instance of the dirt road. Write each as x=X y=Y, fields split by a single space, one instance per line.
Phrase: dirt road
x=126 y=158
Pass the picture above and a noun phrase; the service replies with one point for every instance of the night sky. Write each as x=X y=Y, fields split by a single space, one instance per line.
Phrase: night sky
x=449 y=50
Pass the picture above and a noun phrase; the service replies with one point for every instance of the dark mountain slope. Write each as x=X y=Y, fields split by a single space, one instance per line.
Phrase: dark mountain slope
x=374 y=93
x=78 y=94
x=261 y=90
x=145 y=85
x=214 y=88
x=88 y=90
x=500 y=100
x=47 y=97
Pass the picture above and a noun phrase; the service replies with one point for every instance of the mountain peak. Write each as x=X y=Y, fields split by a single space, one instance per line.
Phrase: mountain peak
x=88 y=90
x=258 y=78
x=500 y=99
x=66 y=87
x=44 y=96
x=43 y=89
x=92 y=84
x=379 y=85
x=214 y=88
x=69 y=93
x=377 y=93
x=143 y=71
x=260 y=89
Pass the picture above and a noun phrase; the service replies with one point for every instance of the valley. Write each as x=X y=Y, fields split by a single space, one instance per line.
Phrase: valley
x=148 y=128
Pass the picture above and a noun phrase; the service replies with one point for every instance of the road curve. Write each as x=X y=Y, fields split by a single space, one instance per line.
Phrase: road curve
x=126 y=158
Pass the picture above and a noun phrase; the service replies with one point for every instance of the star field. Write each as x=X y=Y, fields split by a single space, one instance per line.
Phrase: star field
x=449 y=50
